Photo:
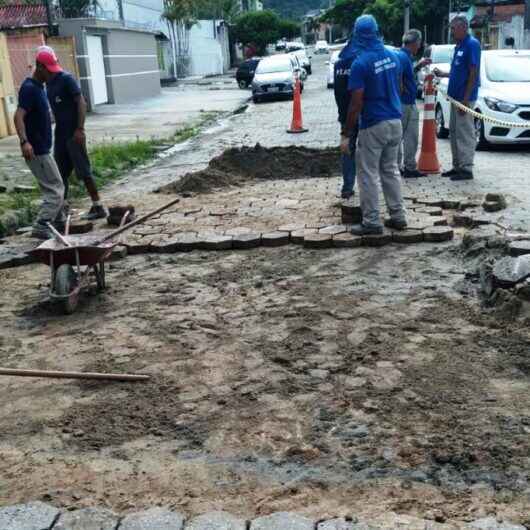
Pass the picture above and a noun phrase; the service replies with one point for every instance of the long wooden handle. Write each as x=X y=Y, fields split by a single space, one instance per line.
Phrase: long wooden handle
x=117 y=232
x=72 y=375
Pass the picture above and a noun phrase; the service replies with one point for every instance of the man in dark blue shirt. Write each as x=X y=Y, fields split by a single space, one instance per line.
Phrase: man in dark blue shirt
x=33 y=124
x=69 y=109
x=411 y=116
x=464 y=82
x=375 y=82
x=341 y=79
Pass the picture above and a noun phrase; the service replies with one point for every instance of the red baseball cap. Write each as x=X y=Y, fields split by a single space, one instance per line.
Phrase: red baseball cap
x=48 y=58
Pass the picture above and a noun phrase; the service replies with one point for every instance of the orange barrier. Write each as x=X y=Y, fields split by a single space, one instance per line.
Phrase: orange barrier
x=297 y=123
x=428 y=159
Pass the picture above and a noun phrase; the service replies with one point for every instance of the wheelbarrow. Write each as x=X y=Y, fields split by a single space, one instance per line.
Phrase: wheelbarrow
x=73 y=259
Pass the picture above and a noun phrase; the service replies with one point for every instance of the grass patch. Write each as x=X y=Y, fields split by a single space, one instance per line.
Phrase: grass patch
x=109 y=161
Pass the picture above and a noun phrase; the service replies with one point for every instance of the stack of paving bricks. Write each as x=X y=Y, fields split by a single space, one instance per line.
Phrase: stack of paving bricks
x=40 y=516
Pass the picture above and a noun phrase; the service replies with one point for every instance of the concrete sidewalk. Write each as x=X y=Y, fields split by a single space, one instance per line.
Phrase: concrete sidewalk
x=157 y=117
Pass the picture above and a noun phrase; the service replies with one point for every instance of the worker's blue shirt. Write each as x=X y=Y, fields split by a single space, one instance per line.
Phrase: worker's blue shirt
x=63 y=91
x=378 y=73
x=341 y=77
x=467 y=54
x=32 y=98
x=410 y=87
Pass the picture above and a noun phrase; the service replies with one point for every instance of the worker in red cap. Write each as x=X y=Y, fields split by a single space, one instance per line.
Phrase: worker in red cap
x=34 y=129
x=69 y=109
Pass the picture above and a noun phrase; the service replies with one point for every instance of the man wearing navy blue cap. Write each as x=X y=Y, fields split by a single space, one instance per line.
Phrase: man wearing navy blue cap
x=464 y=82
x=375 y=83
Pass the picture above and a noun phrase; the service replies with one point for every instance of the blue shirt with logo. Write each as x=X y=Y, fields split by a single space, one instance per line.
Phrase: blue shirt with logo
x=32 y=98
x=378 y=73
x=410 y=87
x=341 y=77
x=467 y=54
x=63 y=91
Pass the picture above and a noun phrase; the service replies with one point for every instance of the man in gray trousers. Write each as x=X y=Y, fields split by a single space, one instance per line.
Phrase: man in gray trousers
x=34 y=129
x=411 y=116
x=464 y=82
x=375 y=82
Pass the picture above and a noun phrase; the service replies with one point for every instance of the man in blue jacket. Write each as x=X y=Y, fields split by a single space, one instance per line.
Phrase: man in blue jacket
x=342 y=98
x=375 y=82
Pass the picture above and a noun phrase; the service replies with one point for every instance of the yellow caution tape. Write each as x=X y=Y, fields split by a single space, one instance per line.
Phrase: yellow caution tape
x=480 y=116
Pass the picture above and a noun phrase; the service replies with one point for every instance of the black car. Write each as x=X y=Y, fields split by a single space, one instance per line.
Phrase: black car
x=245 y=72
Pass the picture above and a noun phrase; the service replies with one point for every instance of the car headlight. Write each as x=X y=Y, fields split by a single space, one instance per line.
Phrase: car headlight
x=499 y=105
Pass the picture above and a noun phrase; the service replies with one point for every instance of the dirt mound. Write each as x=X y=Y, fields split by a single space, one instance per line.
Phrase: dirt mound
x=239 y=165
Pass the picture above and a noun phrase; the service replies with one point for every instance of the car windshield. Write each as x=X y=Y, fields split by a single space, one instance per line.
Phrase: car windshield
x=508 y=69
x=441 y=55
x=273 y=67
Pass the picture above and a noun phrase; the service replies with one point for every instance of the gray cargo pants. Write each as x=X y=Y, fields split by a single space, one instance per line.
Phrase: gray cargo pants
x=377 y=151
x=410 y=122
x=463 y=139
x=51 y=185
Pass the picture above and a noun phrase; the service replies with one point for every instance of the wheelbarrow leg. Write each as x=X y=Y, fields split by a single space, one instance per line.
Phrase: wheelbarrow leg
x=99 y=271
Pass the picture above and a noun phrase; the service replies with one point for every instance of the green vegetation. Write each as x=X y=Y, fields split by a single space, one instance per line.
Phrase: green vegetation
x=109 y=162
x=257 y=29
x=294 y=9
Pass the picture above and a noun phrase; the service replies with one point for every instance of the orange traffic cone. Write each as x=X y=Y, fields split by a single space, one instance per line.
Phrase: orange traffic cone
x=428 y=160
x=297 y=125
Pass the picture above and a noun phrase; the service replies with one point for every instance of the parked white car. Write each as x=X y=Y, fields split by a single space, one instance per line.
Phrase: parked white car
x=331 y=68
x=504 y=94
x=321 y=47
x=441 y=56
x=301 y=53
x=275 y=76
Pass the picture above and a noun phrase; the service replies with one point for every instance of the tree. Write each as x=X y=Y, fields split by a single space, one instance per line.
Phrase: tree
x=226 y=10
x=180 y=16
x=257 y=29
x=289 y=30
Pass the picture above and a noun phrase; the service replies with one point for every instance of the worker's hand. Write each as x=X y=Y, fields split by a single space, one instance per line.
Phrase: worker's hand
x=27 y=151
x=466 y=104
x=345 y=145
x=437 y=72
x=80 y=137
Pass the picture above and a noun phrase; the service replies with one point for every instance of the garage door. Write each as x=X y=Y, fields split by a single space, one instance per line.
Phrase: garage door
x=97 y=69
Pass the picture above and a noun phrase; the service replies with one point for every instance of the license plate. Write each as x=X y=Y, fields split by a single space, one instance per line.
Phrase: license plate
x=274 y=89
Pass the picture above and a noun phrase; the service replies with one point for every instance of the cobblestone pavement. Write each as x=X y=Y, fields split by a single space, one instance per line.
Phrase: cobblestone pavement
x=40 y=516
x=356 y=382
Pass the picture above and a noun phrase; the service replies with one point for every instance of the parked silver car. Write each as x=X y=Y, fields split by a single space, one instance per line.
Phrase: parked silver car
x=441 y=56
x=275 y=76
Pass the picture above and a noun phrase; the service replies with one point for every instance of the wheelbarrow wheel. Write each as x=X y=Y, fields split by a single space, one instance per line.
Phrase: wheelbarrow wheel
x=66 y=287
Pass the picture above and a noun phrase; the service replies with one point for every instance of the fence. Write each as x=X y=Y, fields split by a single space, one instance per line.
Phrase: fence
x=23 y=49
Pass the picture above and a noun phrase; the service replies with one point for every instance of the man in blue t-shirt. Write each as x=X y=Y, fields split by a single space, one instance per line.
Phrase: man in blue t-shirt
x=411 y=117
x=69 y=109
x=375 y=83
x=33 y=125
x=464 y=82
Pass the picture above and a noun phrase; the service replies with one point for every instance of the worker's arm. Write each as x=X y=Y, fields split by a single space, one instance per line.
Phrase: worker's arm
x=356 y=107
x=79 y=135
x=473 y=72
x=25 y=146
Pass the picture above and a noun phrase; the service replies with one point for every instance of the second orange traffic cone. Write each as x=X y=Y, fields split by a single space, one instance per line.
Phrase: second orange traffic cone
x=297 y=123
x=428 y=160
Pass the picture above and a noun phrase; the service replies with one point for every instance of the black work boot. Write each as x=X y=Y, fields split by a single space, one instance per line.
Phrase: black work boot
x=361 y=230
x=412 y=174
x=96 y=212
x=395 y=225
x=462 y=175
x=450 y=173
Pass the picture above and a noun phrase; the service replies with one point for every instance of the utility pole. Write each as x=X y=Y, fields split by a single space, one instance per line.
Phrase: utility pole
x=49 y=18
x=406 y=23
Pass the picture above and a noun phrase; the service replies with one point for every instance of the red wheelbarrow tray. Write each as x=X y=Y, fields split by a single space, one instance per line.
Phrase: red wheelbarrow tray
x=89 y=251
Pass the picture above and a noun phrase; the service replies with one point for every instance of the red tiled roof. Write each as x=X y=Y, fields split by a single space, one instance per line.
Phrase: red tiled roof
x=17 y=16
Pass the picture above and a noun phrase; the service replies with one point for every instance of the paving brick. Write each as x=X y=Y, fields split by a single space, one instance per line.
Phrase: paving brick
x=32 y=516
x=119 y=252
x=318 y=241
x=215 y=242
x=491 y=523
x=336 y=524
x=81 y=228
x=462 y=219
x=153 y=519
x=491 y=206
x=216 y=521
x=14 y=256
x=88 y=519
x=238 y=231
x=275 y=239
x=183 y=242
x=246 y=241
x=282 y=521
x=347 y=240
x=407 y=236
x=333 y=230
x=430 y=210
x=377 y=240
x=298 y=236
x=519 y=248
x=291 y=227
x=437 y=234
